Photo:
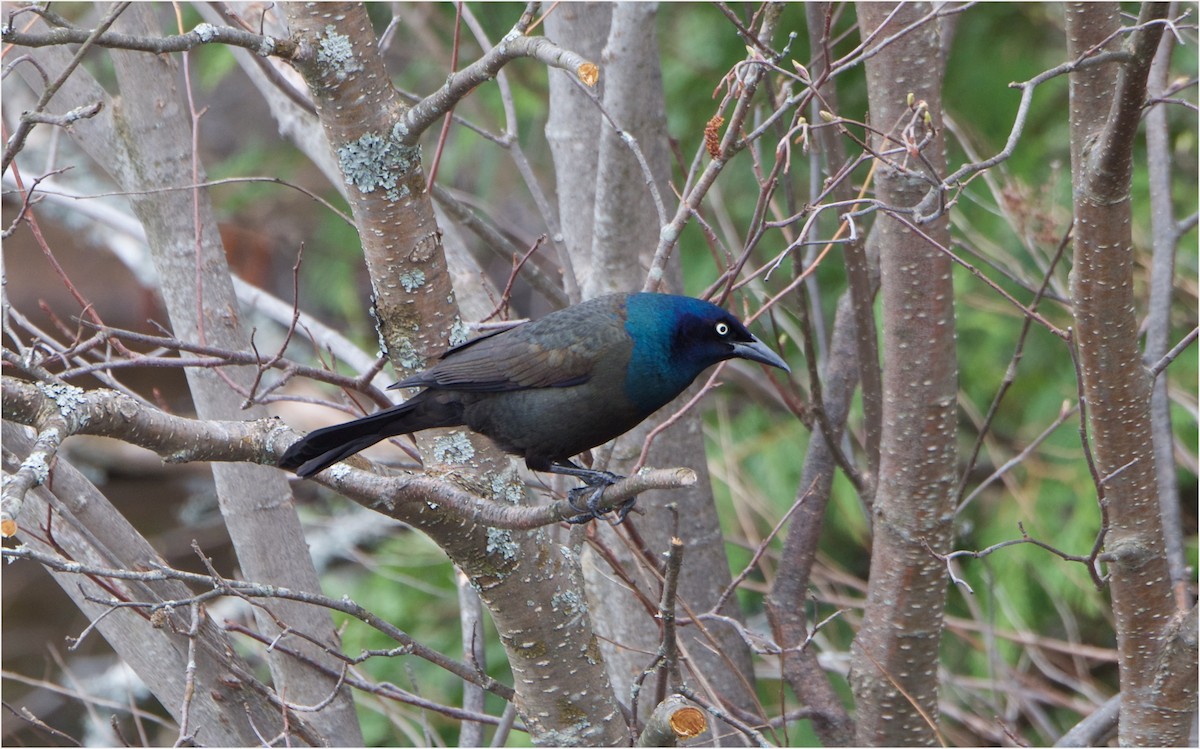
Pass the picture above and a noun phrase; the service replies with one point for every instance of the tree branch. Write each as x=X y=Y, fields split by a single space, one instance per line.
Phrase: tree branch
x=515 y=44
x=203 y=33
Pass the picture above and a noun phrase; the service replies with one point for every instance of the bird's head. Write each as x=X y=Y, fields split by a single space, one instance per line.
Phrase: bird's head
x=677 y=337
x=705 y=334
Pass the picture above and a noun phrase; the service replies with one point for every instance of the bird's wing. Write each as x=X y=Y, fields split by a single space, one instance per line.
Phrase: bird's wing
x=560 y=350
x=499 y=362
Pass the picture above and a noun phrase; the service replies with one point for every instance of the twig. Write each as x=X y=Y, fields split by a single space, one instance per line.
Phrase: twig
x=518 y=264
x=113 y=705
x=666 y=612
x=203 y=33
x=1101 y=498
x=441 y=141
x=1088 y=561
x=500 y=244
x=16 y=141
x=761 y=550
x=189 y=677
x=346 y=219
x=25 y=714
x=730 y=145
x=1026 y=311
x=1010 y=374
x=1064 y=413
x=710 y=384
x=217 y=586
x=1174 y=353
x=1027 y=89
x=384 y=689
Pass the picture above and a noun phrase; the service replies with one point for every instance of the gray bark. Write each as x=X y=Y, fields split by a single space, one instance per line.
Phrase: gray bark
x=895 y=654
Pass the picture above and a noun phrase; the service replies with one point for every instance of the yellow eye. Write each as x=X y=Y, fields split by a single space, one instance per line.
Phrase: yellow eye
x=722 y=329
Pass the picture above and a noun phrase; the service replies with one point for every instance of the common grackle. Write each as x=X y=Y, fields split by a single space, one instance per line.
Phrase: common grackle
x=551 y=389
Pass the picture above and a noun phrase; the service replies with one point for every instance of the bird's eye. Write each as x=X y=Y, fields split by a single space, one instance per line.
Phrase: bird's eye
x=722 y=329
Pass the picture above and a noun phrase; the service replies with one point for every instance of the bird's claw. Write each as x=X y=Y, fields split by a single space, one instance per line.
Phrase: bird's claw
x=590 y=508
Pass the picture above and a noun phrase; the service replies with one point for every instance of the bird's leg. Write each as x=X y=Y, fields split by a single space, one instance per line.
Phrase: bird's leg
x=595 y=482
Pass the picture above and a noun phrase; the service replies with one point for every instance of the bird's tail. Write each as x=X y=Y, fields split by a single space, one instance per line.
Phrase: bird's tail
x=318 y=450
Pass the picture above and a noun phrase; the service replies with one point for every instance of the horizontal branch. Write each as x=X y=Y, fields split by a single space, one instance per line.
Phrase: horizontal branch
x=1089 y=561
x=389 y=494
x=177 y=439
x=204 y=33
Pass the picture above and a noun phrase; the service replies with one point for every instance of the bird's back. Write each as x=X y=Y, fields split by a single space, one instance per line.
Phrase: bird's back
x=549 y=389
x=561 y=349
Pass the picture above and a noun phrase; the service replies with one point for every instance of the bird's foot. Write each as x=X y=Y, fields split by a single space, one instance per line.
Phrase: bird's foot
x=586 y=499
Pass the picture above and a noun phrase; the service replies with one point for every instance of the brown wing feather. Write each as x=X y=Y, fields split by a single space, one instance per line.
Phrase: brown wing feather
x=560 y=350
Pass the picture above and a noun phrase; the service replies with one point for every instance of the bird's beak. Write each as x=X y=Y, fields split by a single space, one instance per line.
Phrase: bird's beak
x=758 y=351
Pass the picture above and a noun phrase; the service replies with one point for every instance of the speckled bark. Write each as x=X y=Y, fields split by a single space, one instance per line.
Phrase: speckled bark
x=385 y=183
x=1157 y=692
x=895 y=655
x=533 y=589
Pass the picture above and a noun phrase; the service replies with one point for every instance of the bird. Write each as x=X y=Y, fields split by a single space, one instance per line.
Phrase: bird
x=556 y=387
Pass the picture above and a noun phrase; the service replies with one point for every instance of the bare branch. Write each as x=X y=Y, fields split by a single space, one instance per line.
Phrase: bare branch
x=514 y=45
x=220 y=586
x=204 y=33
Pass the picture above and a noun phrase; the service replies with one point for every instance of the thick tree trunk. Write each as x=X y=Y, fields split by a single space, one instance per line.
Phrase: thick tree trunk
x=1158 y=695
x=895 y=655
